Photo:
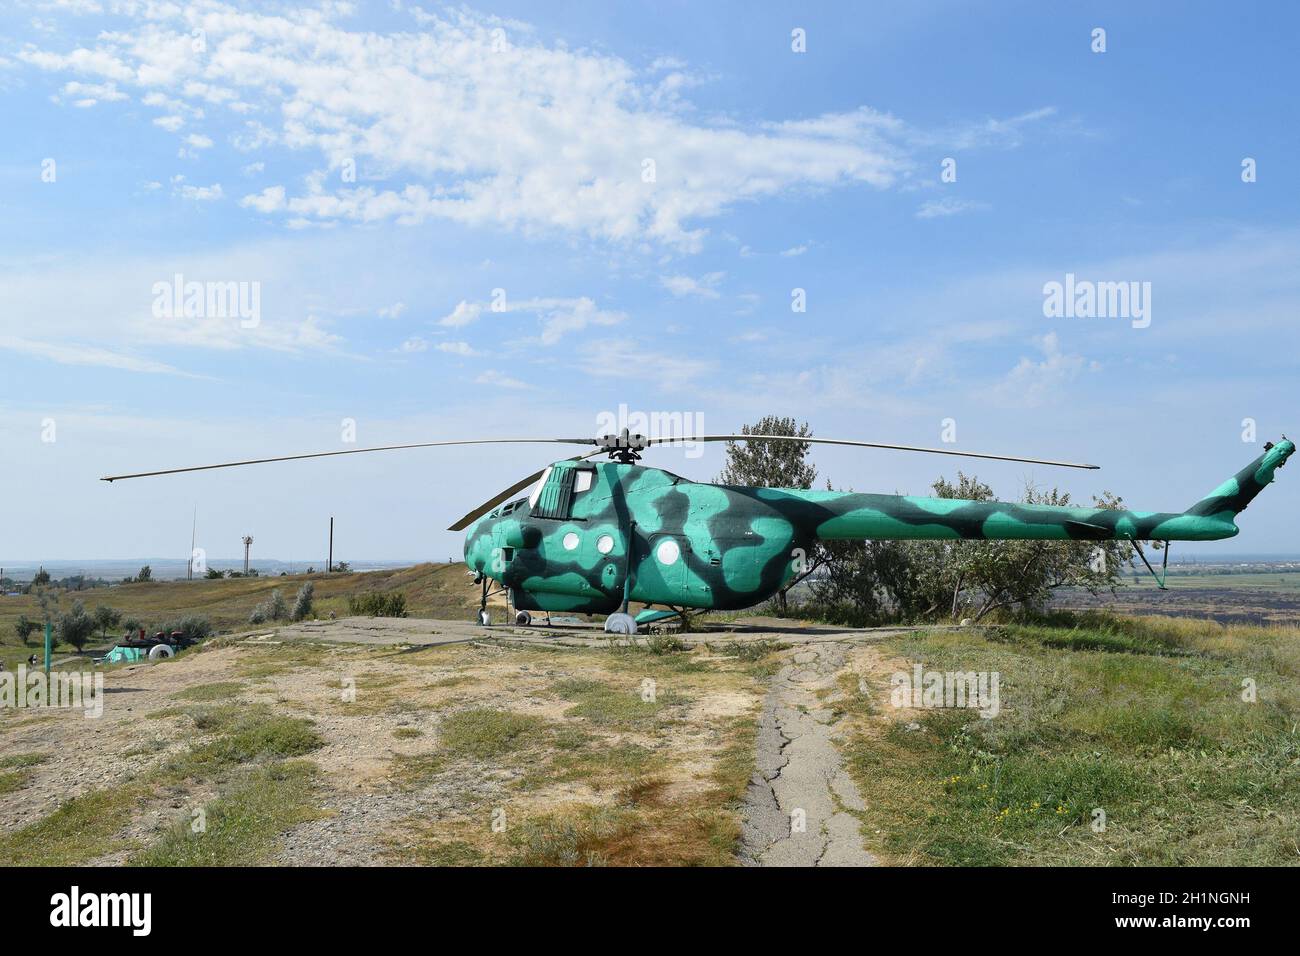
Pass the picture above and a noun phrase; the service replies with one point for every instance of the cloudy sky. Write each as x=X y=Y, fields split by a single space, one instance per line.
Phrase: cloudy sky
x=505 y=220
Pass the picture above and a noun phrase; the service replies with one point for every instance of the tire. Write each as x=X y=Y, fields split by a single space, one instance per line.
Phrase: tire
x=523 y=619
x=620 y=623
x=484 y=619
x=160 y=652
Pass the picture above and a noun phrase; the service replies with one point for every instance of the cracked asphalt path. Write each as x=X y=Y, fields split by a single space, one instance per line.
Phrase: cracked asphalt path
x=799 y=769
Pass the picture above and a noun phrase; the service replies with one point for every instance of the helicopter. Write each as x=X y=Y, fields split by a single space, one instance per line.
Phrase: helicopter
x=591 y=537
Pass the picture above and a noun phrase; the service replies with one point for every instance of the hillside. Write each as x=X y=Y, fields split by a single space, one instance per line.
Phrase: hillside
x=432 y=590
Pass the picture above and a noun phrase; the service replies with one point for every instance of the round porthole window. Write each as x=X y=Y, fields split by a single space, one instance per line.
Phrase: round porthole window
x=668 y=551
x=604 y=544
x=570 y=541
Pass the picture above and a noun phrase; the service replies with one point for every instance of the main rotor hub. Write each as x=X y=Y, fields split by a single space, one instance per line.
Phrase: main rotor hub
x=624 y=446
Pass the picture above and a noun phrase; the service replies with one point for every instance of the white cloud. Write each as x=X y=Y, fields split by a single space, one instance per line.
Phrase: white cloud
x=939 y=208
x=795 y=250
x=199 y=193
x=571 y=158
x=85 y=95
x=268 y=200
x=562 y=316
x=556 y=316
x=465 y=313
x=70 y=353
x=458 y=348
x=705 y=286
x=1033 y=382
x=495 y=378
x=414 y=344
x=392 y=311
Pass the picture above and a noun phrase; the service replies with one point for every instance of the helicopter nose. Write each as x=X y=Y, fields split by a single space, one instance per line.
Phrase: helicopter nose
x=478 y=545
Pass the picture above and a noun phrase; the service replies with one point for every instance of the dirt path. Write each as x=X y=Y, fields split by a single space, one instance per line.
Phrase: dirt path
x=801 y=803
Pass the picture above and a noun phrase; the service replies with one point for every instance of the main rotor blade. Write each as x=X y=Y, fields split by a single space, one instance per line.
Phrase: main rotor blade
x=357 y=451
x=867 y=444
x=487 y=506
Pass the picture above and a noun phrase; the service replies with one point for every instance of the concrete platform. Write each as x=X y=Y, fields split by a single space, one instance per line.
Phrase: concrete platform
x=420 y=632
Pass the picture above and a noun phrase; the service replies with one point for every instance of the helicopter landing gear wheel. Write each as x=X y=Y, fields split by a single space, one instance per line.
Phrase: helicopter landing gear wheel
x=620 y=623
x=523 y=619
x=484 y=618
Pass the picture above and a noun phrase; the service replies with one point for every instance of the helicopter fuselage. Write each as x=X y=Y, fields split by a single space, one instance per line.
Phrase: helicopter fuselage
x=594 y=535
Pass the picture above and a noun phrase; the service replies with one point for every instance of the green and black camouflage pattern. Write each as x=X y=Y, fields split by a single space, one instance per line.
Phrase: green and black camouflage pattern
x=660 y=539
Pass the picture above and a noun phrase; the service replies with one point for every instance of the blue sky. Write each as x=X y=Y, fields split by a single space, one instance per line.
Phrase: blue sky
x=504 y=147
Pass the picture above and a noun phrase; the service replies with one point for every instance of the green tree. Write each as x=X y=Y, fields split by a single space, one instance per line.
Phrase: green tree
x=76 y=626
x=146 y=574
x=41 y=578
x=24 y=628
x=214 y=574
x=106 y=617
x=770 y=464
x=776 y=464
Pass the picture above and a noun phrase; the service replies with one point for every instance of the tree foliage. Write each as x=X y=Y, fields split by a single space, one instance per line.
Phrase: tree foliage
x=76 y=626
x=25 y=628
x=106 y=617
x=770 y=464
x=273 y=608
x=302 y=603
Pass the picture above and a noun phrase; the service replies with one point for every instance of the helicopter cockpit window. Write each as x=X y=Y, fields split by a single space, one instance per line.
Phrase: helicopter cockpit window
x=582 y=480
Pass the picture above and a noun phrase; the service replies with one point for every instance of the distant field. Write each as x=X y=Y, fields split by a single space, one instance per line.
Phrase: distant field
x=1269 y=580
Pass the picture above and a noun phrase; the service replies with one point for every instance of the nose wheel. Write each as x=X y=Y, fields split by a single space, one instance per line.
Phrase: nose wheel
x=523 y=619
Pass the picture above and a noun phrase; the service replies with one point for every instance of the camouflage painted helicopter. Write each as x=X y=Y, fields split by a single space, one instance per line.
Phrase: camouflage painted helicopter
x=592 y=537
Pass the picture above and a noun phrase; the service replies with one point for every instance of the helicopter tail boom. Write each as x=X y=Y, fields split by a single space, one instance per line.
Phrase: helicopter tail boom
x=833 y=515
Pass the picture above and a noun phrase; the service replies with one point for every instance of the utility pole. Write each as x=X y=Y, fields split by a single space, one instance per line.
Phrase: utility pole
x=329 y=562
x=248 y=543
x=194 y=528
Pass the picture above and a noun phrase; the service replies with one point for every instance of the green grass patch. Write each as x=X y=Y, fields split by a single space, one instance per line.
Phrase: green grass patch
x=22 y=760
x=484 y=732
x=246 y=734
x=242 y=827
x=622 y=706
x=218 y=690
x=80 y=829
x=1145 y=723
x=406 y=733
x=11 y=780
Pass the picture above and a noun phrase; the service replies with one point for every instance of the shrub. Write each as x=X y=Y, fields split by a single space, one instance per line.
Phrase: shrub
x=302 y=603
x=273 y=608
x=192 y=626
x=378 y=604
